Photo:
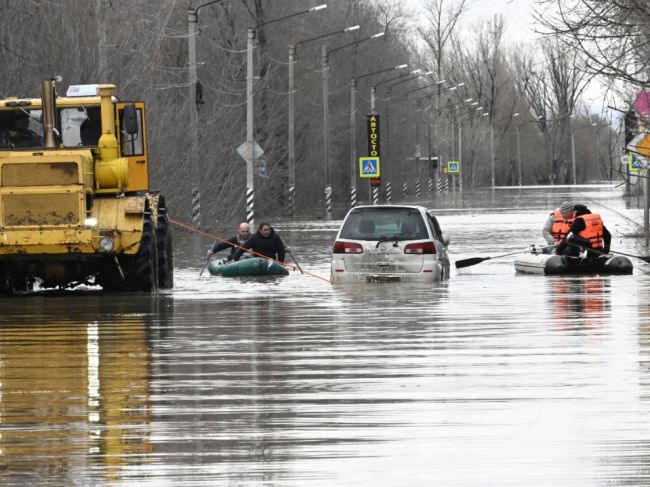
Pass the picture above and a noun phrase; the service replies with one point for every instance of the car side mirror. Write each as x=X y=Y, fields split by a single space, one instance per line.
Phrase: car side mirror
x=445 y=240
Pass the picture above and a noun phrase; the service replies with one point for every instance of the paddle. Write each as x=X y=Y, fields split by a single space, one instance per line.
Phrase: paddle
x=477 y=260
x=286 y=247
x=207 y=261
x=599 y=252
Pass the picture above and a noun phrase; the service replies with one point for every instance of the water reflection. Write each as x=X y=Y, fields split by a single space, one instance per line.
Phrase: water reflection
x=74 y=388
x=579 y=302
x=490 y=378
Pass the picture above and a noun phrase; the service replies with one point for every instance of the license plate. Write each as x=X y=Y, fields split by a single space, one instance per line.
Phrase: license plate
x=382 y=279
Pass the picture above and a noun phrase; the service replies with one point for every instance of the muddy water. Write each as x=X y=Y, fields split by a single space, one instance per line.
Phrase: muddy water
x=490 y=378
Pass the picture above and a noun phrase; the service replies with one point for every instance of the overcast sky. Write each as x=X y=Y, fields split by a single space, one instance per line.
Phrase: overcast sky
x=516 y=13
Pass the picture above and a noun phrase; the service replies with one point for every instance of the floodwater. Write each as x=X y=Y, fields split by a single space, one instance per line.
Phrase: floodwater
x=487 y=379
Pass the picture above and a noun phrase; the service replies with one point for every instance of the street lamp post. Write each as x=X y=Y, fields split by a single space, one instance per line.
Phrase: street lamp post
x=192 y=21
x=373 y=92
x=353 y=91
x=492 y=152
x=375 y=192
x=250 y=141
x=292 y=153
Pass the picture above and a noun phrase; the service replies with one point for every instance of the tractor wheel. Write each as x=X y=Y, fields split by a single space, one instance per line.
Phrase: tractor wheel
x=165 y=251
x=140 y=270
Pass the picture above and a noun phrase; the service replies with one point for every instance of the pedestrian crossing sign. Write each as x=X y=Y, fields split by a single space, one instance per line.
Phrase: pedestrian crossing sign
x=369 y=167
x=635 y=163
x=453 y=167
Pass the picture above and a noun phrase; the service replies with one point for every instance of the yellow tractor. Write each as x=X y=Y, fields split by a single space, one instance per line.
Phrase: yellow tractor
x=75 y=205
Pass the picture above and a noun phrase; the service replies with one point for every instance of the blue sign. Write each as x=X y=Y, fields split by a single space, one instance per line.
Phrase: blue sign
x=635 y=163
x=369 y=167
x=453 y=166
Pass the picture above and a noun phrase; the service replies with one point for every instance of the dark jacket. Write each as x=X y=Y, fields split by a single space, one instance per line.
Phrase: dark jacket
x=271 y=246
x=230 y=243
x=573 y=237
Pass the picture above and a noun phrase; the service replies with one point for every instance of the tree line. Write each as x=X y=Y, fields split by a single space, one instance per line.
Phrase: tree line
x=463 y=95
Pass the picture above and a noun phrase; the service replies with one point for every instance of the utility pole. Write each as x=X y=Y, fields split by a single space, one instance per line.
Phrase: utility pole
x=492 y=150
x=192 y=19
x=250 y=189
x=353 y=143
x=521 y=174
x=326 y=133
x=573 y=155
x=292 y=148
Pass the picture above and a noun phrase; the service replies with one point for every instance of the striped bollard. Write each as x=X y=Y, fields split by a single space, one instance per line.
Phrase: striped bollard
x=328 y=202
x=375 y=195
x=430 y=186
x=405 y=190
x=439 y=184
x=446 y=183
x=250 y=206
x=292 y=201
x=388 y=193
x=353 y=196
x=417 y=187
x=460 y=183
x=196 y=207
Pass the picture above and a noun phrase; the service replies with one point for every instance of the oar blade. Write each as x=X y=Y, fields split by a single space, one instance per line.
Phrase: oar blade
x=470 y=262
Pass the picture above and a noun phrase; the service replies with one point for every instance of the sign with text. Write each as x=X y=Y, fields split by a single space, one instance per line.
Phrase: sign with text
x=373 y=135
x=369 y=167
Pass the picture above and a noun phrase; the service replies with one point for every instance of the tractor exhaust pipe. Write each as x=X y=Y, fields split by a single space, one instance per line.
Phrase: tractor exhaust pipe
x=48 y=88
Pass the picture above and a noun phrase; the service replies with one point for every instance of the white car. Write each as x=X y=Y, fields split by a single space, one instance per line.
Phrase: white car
x=389 y=243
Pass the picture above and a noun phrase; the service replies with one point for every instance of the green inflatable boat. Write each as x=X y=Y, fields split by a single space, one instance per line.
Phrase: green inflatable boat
x=254 y=266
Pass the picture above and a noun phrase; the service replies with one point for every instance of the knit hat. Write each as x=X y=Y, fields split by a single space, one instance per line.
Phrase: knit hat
x=566 y=207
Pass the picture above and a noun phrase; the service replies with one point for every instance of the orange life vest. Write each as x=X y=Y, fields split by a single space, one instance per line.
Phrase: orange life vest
x=594 y=230
x=560 y=226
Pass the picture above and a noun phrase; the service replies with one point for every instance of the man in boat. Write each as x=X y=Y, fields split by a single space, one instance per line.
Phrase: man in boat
x=558 y=223
x=587 y=232
x=239 y=239
x=264 y=242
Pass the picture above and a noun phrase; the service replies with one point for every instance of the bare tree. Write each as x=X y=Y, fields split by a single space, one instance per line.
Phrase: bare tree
x=611 y=36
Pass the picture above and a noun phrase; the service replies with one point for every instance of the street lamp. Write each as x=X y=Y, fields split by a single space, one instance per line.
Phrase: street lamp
x=353 y=149
x=519 y=161
x=192 y=21
x=373 y=89
x=292 y=151
x=353 y=173
x=250 y=142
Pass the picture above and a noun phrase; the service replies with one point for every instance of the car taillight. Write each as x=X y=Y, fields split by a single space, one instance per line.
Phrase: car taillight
x=420 y=248
x=347 y=248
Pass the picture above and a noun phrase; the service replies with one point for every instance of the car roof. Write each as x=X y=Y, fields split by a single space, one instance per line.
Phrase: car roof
x=377 y=207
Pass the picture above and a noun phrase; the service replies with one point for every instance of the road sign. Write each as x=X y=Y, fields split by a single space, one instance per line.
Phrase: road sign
x=636 y=163
x=369 y=167
x=244 y=151
x=453 y=167
x=642 y=103
x=640 y=144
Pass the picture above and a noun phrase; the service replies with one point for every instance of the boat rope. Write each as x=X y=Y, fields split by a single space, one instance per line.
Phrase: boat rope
x=215 y=237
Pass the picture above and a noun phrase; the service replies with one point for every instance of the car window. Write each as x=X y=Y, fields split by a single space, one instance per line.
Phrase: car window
x=436 y=227
x=375 y=224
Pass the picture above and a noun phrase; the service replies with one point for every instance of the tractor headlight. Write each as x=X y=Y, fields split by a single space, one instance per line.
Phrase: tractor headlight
x=91 y=222
x=106 y=244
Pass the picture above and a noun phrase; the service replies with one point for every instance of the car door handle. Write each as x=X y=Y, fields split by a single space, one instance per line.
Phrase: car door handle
x=383 y=264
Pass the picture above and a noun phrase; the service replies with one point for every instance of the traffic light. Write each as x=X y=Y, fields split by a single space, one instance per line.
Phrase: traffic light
x=434 y=162
x=631 y=127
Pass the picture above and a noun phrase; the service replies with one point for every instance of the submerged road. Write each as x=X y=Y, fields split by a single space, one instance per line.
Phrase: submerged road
x=487 y=379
